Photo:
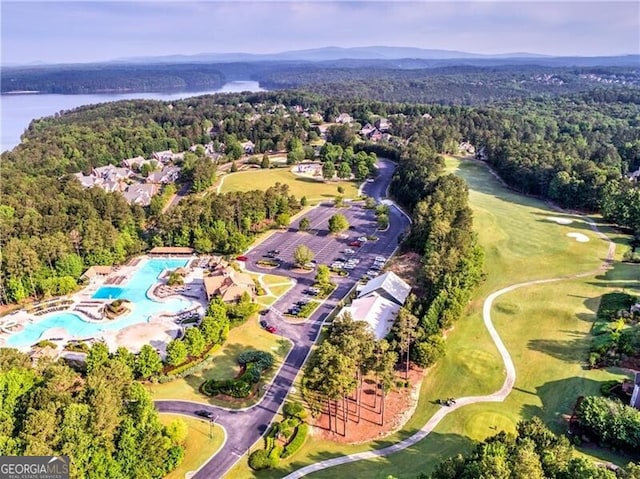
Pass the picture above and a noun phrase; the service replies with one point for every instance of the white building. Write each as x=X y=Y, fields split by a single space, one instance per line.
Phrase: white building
x=378 y=302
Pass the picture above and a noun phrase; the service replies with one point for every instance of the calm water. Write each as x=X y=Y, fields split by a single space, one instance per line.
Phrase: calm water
x=135 y=291
x=19 y=110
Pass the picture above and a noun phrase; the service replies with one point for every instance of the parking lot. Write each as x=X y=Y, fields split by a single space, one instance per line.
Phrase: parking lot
x=328 y=248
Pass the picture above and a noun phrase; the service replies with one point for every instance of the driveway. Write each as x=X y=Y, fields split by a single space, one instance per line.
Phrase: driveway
x=245 y=427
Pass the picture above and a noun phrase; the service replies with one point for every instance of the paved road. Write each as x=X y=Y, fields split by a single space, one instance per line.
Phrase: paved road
x=244 y=427
x=497 y=396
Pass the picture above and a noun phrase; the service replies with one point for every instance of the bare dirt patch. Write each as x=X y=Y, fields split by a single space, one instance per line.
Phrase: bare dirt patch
x=398 y=408
x=406 y=266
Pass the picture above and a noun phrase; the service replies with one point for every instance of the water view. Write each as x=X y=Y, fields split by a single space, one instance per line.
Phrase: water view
x=19 y=110
x=135 y=291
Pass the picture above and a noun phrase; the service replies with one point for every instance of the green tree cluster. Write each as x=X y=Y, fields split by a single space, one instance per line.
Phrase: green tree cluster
x=105 y=422
x=534 y=452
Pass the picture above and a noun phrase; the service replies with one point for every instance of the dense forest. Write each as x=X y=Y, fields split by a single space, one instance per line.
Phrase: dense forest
x=111 y=79
x=454 y=85
x=103 y=420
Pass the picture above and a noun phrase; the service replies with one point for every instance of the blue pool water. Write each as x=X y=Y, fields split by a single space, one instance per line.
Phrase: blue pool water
x=135 y=291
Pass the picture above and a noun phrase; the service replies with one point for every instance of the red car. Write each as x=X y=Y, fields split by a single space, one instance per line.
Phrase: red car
x=271 y=329
x=357 y=244
x=242 y=258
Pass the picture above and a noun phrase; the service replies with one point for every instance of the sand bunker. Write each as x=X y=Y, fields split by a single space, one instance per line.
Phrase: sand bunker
x=560 y=221
x=579 y=237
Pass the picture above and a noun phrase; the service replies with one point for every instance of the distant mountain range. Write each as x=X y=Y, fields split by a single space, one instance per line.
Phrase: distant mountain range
x=329 y=54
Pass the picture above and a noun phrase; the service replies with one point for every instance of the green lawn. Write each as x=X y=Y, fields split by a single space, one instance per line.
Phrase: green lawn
x=545 y=327
x=242 y=338
x=198 y=447
x=298 y=186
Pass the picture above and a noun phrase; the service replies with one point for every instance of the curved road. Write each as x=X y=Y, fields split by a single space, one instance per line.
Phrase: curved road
x=245 y=427
x=497 y=396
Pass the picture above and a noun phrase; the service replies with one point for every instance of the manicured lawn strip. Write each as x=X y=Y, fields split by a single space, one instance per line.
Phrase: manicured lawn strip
x=270 y=279
x=198 y=446
x=279 y=290
x=299 y=186
x=242 y=338
x=520 y=244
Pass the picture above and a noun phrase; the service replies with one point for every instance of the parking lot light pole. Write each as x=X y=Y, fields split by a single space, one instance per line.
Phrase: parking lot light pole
x=212 y=422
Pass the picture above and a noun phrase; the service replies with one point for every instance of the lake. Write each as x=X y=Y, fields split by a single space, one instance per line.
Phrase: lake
x=19 y=110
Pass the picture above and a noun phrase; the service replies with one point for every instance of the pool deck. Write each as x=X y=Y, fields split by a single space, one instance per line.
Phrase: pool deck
x=157 y=331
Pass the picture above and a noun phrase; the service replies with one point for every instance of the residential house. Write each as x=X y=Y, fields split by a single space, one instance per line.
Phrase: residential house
x=140 y=194
x=135 y=163
x=248 y=147
x=163 y=156
x=344 y=118
x=228 y=284
x=383 y=124
x=112 y=173
x=635 y=395
x=367 y=129
x=387 y=285
x=375 y=135
x=168 y=174
x=88 y=181
x=634 y=175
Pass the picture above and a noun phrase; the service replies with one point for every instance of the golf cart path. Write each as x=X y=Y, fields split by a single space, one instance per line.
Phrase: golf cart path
x=497 y=396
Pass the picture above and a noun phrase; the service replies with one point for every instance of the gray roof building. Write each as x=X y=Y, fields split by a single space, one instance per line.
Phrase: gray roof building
x=387 y=285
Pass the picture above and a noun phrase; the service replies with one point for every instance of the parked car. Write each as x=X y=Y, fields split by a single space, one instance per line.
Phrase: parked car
x=264 y=324
x=271 y=329
x=381 y=259
x=204 y=413
x=242 y=258
x=274 y=251
x=348 y=251
x=264 y=311
x=370 y=180
x=357 y=244
x=362 y=239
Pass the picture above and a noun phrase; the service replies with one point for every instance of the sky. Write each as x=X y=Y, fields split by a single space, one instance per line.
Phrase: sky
x=89 y=31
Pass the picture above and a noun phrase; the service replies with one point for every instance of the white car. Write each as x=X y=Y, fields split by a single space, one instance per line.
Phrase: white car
x=362 y=239
x=348 y=251
x=372 y=273
x=381 y=259
x=337 y=264
x=349 y=266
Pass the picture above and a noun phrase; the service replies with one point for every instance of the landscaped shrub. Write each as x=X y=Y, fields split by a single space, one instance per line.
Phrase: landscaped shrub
x=261 y=359
x=45 y=342
x=259 y=460
x=294 y=409
x=296 y=441
x=254 y=362
x=79 y=347
x=274 y=455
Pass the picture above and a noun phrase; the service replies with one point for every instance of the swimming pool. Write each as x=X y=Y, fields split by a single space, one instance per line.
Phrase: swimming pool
x=135 y=291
